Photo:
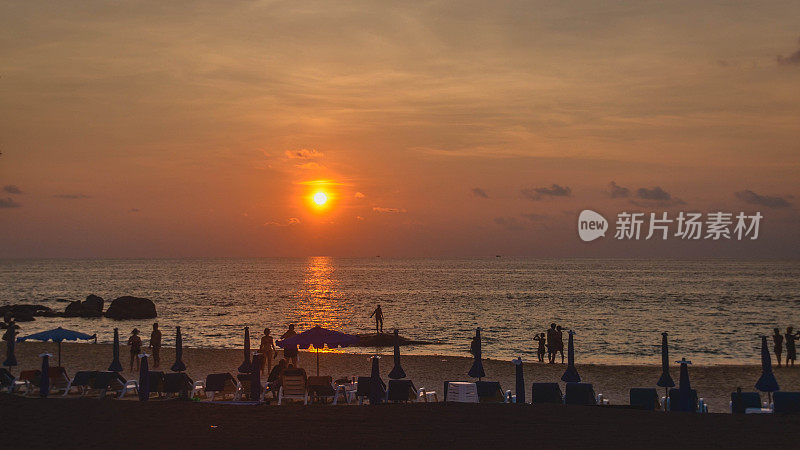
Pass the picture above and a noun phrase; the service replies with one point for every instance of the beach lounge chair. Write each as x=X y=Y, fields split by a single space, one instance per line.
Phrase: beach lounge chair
x=786 y=402
x=59 y=380
x=178 y=384
x=742 y=401
x=156 y=380
x=105 y=382
x=404 y=391
x=245 y=383
x=363 y=389
x=321 y=388
x=221 y=385
x=696 y=405
x=7 y=380
x=30 y=379
x=582 y=394
x=490 y=392
x=546 y=393
x=83 y=381
x=461 y=392
x=293 y=386
x=645 y=399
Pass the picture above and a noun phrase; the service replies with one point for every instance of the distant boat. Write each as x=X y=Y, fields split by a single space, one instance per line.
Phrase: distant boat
x=496 y=256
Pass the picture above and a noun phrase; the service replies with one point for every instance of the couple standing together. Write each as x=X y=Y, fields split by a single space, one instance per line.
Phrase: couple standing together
x=267 y=348
x=553 y=341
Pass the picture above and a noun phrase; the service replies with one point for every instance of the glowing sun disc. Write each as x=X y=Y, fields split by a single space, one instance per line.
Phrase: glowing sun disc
x=320 y=198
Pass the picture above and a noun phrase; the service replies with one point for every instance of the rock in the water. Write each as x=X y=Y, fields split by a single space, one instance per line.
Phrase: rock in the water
x=384 y=340
x=25 y=313
x=91 y=307
x=128 y=307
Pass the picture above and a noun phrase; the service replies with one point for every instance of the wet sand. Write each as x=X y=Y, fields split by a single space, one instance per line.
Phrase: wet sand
x=713 y=383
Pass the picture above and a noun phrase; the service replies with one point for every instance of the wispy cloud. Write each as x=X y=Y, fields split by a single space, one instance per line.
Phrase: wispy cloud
x=791 y=60
x=478 y=192
x=289 y=222
x=8 y=203
x=553 y=191
x=617 y=191
x=12 y=189
x=303 y=154
x=655 y=196
x=71 y=196
x=509 y=223
x=380 y=209
x=769 y=201
x=359 y=195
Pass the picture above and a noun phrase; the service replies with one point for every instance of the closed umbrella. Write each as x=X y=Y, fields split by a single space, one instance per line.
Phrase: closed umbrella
x=767 y=382
x=255 y=378
x=44 y=380
x=11 y=359
x=144 y=378
x=58 y=335
x=684 y=388
x=246 y=366
x=318 y=337
x=179 y=366
x=115 y=366
x=571 y=374
x=520 y=385
x=397 y=371
x=375 y=383
x=476 y=371
x=666 y=380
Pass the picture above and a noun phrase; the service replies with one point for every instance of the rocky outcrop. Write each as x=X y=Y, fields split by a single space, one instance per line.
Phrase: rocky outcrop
x=26 y=313
x=128 y=307
x=91 y=307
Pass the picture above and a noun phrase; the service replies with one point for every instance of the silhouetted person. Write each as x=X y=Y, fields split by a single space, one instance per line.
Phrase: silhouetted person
x=155 y=344
x=559 y=343
x=135 y=344
x=378 y=313
x=290 y=352
x=541 y=349
x=552 y=336
x=777 y=339
x=267 y=348
x=791 y=350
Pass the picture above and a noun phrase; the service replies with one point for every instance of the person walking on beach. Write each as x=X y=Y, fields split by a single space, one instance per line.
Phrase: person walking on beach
x=777 y=339
x=267 y=348
x=540 y=351
x=135 y=344
x=559 y=343
x=552 y=336
x=155 y=344
x=290 y=352
x=378 y=313
x=791 y=350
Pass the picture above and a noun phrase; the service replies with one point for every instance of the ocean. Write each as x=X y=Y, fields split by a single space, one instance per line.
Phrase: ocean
x=714 y=309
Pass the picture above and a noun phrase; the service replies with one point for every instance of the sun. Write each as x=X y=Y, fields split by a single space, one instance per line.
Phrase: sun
x=320 y=198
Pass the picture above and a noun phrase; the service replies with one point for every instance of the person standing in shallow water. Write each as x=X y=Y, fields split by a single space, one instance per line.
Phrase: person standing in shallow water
x=791 y=350
x=267 y=348
x=155 y=344
x=559 y=343
x=378 y=313
x=540 y=350
x=135 y=344
x=552 y=336
x=290 y=352
x=777 y=339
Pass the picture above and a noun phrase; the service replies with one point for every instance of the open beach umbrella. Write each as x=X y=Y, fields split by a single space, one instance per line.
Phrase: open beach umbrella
x=684 y=388
x=144 y=378
x=666 y=380
x=255 y=378
x=11 y=358
x=247 y=365
x=571 y=374
x=767 y=382
x=44 y=380
x=58 y=335
x=397 y=372
x=319 y=337
x=375 y=382
x=520 y=385
x=115 y=366
x=179 y=366
x=476 y=371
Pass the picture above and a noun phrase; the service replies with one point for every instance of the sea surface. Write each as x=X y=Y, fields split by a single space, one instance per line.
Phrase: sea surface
x=714 y=310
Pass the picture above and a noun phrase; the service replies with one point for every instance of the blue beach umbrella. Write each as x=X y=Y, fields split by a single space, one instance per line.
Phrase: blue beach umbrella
x=318 y=337
x=247 y=365
x=58 y=335
x=44 y=380
x=144 y=378
x=571 y=374
x=684 y=388
x=476 y=371
x=520 y=385
x=376 y=391
x=11 y=359
x=666 y=380
x=397 y=372
x=115 y=366
x=767 y=382
x=179 y=366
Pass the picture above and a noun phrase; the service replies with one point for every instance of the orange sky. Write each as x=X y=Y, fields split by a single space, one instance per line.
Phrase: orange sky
x=195 y=129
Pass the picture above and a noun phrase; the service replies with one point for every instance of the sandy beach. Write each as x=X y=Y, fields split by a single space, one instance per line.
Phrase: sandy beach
x=713 y=383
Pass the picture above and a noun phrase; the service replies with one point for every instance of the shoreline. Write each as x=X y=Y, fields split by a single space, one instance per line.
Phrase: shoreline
x=713 y=382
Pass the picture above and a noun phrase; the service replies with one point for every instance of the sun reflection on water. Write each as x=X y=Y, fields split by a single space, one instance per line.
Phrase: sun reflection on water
x=320 y=301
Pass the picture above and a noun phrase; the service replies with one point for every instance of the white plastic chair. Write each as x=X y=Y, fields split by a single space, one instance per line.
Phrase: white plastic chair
x=462 y=392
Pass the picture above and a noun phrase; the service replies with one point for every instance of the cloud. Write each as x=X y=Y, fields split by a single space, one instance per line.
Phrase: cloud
x=12 y=189
x=359 y=195
x=380 y=209
x=533 y=217
x=71 y=196
x=617 y=191
x=478 y=192
x=303 y=154
x=509 y=223
x=791 y=60
x=749 y=196
x=289 y=222
x=309 y=166
x=359 y=218
x=133 y=210
x=8 y=203
x=553 y=191
x=655 y=196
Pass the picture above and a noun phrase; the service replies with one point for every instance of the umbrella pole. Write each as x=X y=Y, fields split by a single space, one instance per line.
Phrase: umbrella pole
x=317 y=362
x=59 y=353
